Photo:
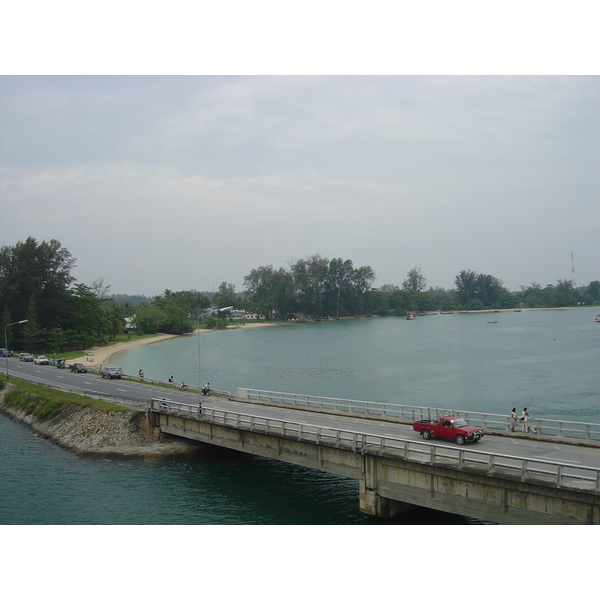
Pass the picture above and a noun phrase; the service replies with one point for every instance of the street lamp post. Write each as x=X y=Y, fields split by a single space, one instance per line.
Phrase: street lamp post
x=199 y=316
x=6 y=340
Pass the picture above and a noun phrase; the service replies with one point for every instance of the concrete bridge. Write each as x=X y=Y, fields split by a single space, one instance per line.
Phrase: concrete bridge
x=506 y=478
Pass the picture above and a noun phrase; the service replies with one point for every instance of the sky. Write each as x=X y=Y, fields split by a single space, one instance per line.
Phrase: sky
x=184 y=181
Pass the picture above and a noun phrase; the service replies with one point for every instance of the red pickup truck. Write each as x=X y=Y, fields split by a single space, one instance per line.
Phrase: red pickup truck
x=449 y=427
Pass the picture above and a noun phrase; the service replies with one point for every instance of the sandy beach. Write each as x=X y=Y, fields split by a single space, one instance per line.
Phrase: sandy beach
x=95 y=357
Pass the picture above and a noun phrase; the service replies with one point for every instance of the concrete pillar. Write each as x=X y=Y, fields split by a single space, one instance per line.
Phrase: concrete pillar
x=367 y=499
x=151 y=424
x=370 y=502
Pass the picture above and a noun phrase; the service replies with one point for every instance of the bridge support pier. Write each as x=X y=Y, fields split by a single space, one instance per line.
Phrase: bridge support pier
x=370 y=502
x=151 y=424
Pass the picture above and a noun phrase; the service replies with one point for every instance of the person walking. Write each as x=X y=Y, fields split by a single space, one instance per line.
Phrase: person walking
x=513 y=419
x=525 y=421
x=141 y=374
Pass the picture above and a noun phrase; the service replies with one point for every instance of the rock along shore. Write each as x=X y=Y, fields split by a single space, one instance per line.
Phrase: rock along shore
x=88 y=432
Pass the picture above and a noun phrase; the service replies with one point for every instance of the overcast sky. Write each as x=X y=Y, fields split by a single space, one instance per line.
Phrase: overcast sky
x=184 y=182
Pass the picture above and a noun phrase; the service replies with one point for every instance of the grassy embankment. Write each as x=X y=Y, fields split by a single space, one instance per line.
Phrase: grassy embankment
x=46 y=403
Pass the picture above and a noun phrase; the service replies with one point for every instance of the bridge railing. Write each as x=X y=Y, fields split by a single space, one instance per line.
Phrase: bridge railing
x=559 y=475
x=562 y=428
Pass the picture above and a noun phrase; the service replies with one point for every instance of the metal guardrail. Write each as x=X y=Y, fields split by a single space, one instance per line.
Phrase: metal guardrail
x=587 y=431
x=526 y=469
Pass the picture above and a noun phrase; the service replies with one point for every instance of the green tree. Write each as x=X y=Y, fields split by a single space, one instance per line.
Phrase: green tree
x=176 y=321
x=533 y=296
x=39 y=270
x=362 y=279
x=29 y=337
x=115 y=320
x=338 y=286
x=593 y=290
x=225 y=296
x=190 y=301
x=310 y=275
x=149 y=319
x=565 y=293
x=465 y=283
x=87 y=316
x=487 y=290
x=414 y=282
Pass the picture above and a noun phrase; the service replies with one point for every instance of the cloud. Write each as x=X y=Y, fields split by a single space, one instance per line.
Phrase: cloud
x=184 y=182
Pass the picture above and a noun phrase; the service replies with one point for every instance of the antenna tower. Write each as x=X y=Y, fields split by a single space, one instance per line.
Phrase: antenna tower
x=573 y=270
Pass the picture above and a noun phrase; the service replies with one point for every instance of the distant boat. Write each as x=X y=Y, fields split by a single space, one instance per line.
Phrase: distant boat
x=411 y=315
x=516 y=310
x=494 y=321
x=597 y=318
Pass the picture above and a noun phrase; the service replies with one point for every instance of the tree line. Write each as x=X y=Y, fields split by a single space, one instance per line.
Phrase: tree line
x=36 y=284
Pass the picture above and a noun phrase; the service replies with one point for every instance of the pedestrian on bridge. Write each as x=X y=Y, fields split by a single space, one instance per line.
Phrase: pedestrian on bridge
x=525 y=421
x=513 y=419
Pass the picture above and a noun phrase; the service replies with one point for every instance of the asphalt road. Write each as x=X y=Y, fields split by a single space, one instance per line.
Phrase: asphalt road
x=555 y=451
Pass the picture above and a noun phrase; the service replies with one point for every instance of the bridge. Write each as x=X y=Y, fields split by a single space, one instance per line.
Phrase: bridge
x=551 y=477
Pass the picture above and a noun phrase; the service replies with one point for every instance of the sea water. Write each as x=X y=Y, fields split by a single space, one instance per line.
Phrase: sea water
x=545 y=360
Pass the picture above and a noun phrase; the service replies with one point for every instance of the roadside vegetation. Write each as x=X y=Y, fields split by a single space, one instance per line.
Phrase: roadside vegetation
x=46 y=403
x=49 y=313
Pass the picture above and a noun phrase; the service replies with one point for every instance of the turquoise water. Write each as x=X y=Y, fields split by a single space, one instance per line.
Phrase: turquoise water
x=548 y=361
x=41 y=484
x=545 y=360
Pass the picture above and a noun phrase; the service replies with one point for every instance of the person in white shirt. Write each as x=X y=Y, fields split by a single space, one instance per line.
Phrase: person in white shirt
x=525 y=421
x=513 y=419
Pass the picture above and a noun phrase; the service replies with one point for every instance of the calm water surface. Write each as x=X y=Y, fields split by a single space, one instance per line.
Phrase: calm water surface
x=548 y=361
x=42 y=484
x=545 y=360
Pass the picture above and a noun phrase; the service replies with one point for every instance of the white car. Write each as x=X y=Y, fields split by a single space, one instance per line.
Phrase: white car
x=41 y=360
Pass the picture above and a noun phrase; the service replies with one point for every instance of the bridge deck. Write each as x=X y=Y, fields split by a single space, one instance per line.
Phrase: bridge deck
x=575 y=465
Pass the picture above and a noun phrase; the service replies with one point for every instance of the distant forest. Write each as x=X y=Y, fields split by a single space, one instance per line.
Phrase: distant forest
x=36 y=285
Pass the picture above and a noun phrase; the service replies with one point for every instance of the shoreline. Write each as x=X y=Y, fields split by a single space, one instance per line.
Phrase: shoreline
x=96 y=356
x=92 y=433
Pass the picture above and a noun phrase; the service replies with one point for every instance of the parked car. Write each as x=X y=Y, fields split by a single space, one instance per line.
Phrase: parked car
x=78 y=368
x=26 y=357
x=4 y=352
x=41 y=360
x=111 y=373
